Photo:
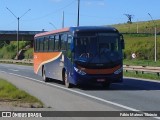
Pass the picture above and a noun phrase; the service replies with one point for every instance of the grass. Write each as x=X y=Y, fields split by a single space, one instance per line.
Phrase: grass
x=143 y=46
x=136 y=62
x=10 y=93
x=29 y=54
x=143 y=27
x=9 y=51
x=140 y=75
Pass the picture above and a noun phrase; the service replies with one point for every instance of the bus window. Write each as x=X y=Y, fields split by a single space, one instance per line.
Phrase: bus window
x=41 y=44
x=51 y=43
x=64 y=42
x=35 y=45
x=57 y=42
x=69 y=53
x=46 y=44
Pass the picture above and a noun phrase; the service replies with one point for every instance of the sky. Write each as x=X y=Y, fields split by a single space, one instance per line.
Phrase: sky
x=47 y=14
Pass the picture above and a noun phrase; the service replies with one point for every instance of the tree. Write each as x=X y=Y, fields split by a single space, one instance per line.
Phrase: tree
x=129 y=18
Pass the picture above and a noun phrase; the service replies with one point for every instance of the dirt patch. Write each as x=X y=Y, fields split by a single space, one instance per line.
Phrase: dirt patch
x=14 y=103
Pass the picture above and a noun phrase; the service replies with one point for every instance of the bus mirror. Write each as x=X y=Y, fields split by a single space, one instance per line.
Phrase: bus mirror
x=72 y=47
x=122 y=42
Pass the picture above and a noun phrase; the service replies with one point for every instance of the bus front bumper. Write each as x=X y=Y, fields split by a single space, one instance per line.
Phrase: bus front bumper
x=87 y=79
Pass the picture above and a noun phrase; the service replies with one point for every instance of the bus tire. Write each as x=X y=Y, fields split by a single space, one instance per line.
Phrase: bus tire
x=44 y=75
x=66 y=81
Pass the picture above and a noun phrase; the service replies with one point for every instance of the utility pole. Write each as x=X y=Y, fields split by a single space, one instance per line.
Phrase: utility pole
x=137 y=26
x=18 y=18
x=155 y=38
x=78 y=13
x=129 y=20
x=63 y=20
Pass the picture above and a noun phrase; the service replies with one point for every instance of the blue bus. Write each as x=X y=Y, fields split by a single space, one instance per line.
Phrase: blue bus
x=80 y=55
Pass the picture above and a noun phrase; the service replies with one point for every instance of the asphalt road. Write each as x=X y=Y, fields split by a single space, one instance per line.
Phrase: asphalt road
x=131 y=95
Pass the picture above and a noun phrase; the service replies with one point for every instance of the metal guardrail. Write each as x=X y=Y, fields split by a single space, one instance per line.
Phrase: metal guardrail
x=142 y=69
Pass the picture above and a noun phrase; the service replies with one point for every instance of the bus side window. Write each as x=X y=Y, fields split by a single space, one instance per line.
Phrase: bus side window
x=69 y=52
x=35 y=44
x=57 y=43
x=41 y=46
x=51 y=43
x=64 y=42
x=46 y=44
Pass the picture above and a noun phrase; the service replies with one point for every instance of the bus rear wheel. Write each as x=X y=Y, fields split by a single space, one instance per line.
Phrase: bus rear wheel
x=66 y=81
x=44 y=76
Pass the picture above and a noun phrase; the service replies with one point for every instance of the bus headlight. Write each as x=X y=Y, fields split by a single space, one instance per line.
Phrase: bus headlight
x=118 y=71
x=79 y=71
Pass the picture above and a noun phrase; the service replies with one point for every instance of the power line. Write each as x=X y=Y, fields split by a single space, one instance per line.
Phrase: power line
x=58 y=10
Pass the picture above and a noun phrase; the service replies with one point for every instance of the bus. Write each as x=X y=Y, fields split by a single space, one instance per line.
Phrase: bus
x=80 y=55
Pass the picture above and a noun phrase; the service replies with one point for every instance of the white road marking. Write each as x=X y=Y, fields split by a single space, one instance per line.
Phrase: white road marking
x=142 y=79
x=13 y=70
x=80 y=93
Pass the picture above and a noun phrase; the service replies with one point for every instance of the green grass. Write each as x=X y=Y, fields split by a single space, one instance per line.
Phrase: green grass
x=29 y=54
x=9 y=51
x=143 y=27
x=136 y=62
x=10 y=93
x=143 y=46
x=140 y=75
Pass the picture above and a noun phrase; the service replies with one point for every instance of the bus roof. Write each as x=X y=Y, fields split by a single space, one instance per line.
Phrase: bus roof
x=94 y=29
x=80 y=29
x=52 y=32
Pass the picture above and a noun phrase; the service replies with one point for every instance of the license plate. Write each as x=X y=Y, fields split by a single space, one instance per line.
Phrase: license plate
x=101 y=80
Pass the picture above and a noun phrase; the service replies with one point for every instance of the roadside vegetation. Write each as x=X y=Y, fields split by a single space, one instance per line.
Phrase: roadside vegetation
x=136 y=62
x=143 y=27
x=140 y=75
x=142 y=44
x=11 y=95
x=9 y=51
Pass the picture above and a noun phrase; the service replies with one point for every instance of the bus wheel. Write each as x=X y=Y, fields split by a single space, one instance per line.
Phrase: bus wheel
x=44 y=76
x=66 y=81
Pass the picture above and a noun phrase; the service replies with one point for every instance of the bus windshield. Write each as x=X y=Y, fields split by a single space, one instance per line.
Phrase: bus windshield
x=98 y=47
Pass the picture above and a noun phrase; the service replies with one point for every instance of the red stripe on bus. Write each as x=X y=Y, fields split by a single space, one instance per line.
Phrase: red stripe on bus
x=99 y=71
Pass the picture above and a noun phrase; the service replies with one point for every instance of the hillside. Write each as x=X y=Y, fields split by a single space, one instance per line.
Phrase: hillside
x=140 y=27
x=142 y=44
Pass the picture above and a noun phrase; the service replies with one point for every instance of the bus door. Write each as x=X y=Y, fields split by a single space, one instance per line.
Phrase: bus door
x=69 y=59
